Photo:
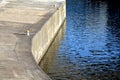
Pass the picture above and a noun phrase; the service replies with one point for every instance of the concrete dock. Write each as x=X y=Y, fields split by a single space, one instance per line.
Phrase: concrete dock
x=18 y=60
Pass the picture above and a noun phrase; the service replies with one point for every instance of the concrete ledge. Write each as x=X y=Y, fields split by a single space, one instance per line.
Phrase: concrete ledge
x=44 y=37
x=19 y=53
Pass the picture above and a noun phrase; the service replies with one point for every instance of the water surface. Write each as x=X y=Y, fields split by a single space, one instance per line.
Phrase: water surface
x=90 y=48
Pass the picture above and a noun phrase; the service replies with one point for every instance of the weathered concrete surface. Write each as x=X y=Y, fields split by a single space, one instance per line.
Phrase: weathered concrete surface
x=16 y=58
x=44 y=37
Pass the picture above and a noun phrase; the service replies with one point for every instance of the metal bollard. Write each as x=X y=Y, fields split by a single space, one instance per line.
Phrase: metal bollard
x=27 y=32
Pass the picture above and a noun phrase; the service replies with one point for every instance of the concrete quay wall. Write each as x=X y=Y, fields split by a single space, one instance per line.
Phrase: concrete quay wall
x=43 y=38
x=20 y=53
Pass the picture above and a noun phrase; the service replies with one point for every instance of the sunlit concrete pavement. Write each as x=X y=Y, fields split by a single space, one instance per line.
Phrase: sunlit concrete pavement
x=17 y=16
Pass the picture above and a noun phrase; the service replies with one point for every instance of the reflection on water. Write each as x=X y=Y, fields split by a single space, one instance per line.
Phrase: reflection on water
x=51 y=52
x=90 y=49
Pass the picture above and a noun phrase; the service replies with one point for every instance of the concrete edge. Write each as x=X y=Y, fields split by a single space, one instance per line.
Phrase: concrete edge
x=43 y=38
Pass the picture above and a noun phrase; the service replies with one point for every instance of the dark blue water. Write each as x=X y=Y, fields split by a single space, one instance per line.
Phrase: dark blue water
x=90 y=49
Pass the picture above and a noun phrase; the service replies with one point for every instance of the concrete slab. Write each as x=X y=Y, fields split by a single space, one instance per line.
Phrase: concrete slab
x=16 y=16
